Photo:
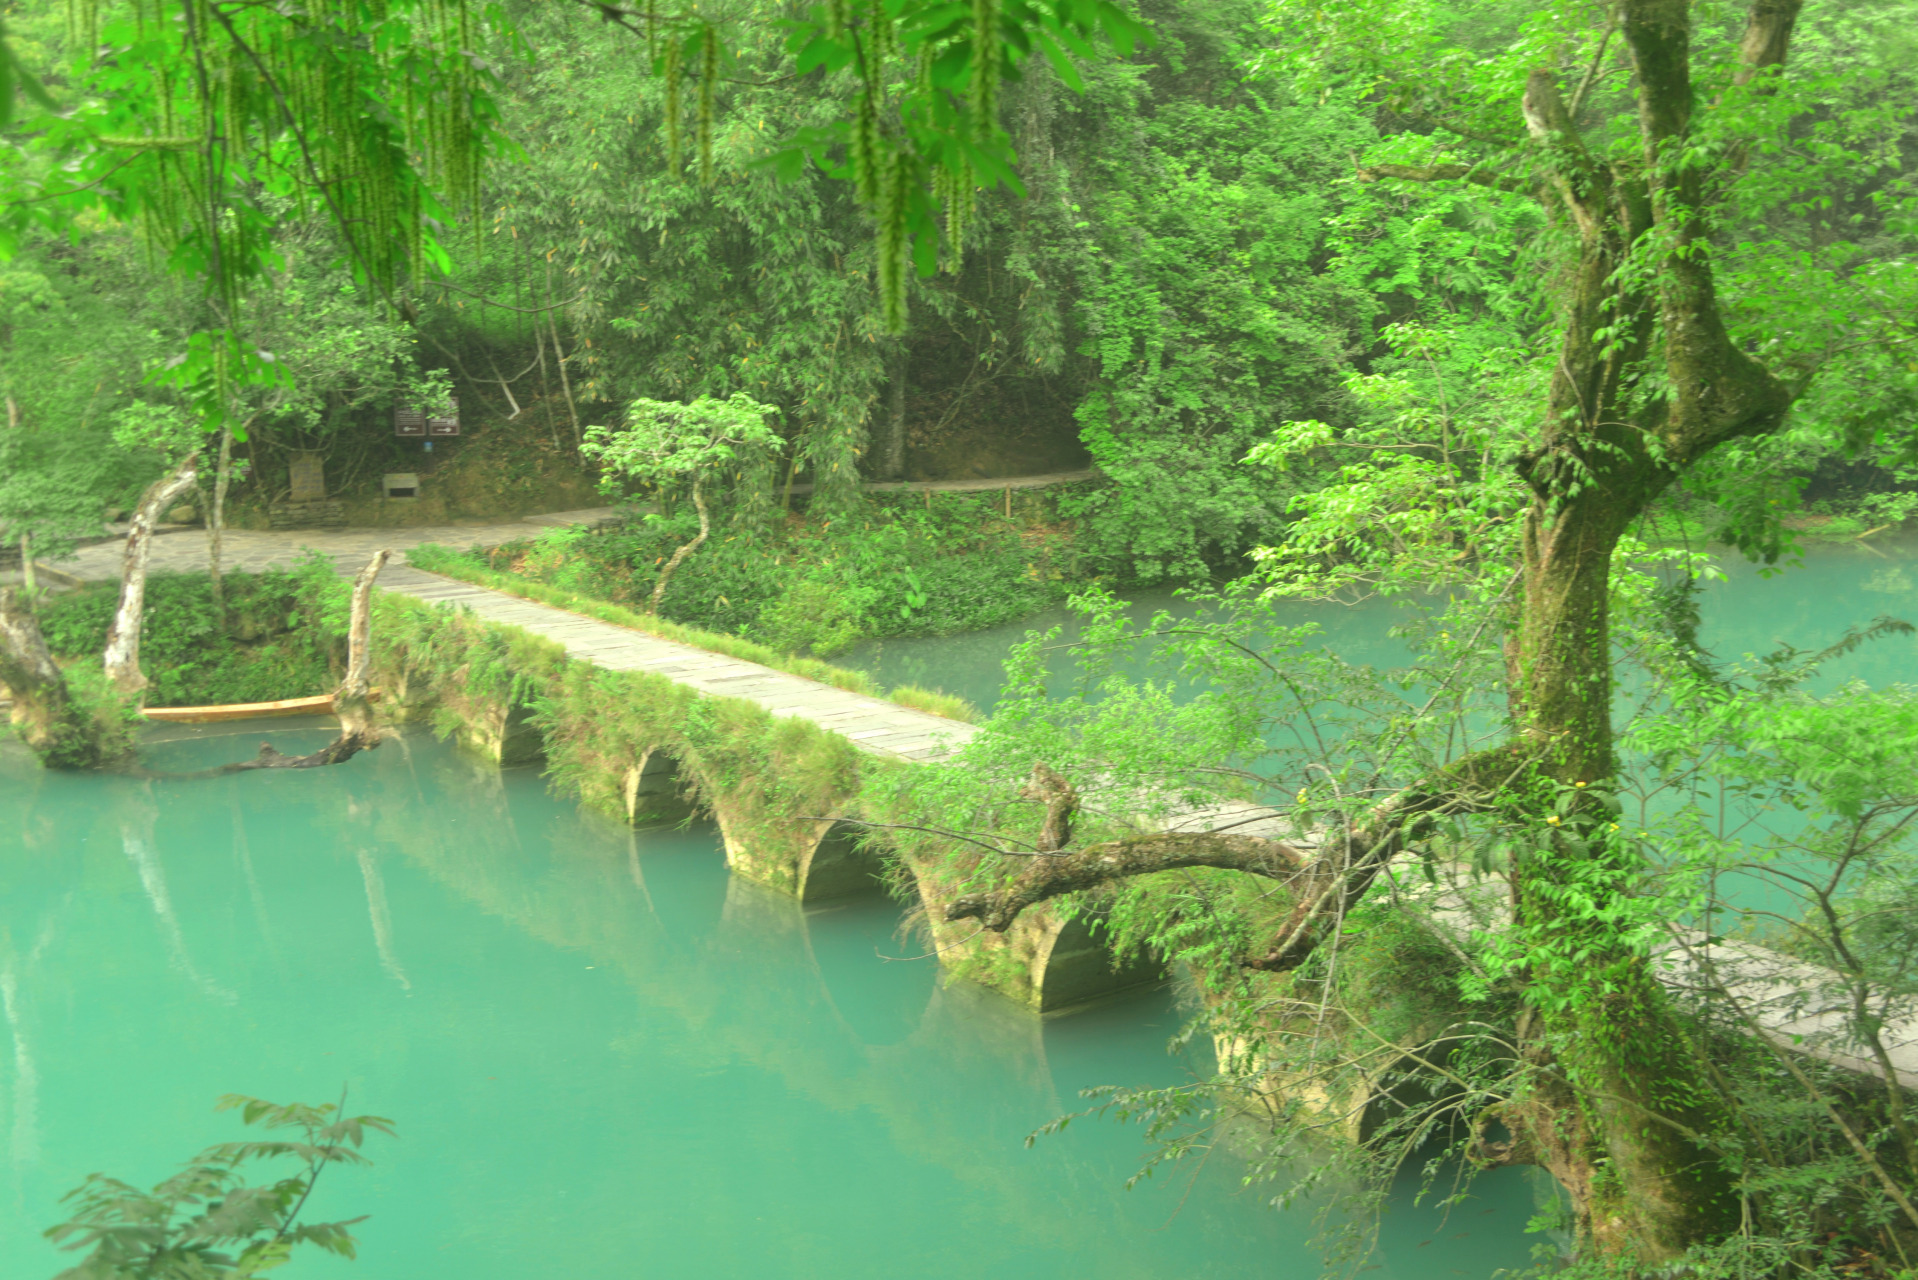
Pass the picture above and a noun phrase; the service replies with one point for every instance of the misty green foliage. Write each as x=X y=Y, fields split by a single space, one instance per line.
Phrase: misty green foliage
x=281 y=636
x=1815 y=222
x=815 y=586
x=88 y=324
x=1160 y=293
x=748 y=284
x=372 y=121
x=1183 y=225
x=79 y=324
x=215 y=1220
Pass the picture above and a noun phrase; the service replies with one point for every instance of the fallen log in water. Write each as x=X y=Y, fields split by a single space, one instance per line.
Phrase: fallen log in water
x=338 y=751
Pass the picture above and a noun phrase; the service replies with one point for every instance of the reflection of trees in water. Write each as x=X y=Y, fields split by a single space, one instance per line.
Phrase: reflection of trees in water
x=742 y=966
x=381 y=917
x=23 y=1144
x=145 y=858
x=746 y=977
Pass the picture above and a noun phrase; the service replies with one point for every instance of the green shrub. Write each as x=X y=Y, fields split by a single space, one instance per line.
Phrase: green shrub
x=810 y=617
x=278 y=639
x=815 y=586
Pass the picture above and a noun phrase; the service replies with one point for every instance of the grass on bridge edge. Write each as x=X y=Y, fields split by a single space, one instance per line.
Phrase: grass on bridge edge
x=449 y=562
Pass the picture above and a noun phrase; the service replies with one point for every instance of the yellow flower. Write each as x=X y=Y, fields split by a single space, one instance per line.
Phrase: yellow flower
x=1553 y=820
x=1578 y=784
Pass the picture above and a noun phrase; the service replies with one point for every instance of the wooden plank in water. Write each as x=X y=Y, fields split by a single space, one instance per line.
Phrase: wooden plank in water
x=321 y=705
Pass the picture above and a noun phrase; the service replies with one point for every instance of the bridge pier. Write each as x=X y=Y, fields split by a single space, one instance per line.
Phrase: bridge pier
x=504 y=735
x=811 y=859
x=652 y=791
x=1046 y=961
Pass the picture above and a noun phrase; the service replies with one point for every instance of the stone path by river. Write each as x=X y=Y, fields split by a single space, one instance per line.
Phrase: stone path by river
x=183 y=550
x=873 y=724
x=876 y=725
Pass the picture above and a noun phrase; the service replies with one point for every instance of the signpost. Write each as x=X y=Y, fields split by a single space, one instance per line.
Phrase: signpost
x=428 y=422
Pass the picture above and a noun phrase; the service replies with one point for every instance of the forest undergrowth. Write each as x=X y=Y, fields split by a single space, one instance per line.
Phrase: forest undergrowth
x=280 y=634
x=813 y=585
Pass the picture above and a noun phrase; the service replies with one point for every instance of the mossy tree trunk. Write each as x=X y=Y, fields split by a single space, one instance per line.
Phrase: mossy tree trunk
x=892 y=439
x=1609 y=447
x=44 y=713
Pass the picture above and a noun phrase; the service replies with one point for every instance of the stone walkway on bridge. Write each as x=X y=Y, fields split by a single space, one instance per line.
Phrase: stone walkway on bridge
x=875 y=725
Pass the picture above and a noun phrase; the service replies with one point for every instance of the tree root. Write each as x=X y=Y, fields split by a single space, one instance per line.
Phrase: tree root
x=338 y=751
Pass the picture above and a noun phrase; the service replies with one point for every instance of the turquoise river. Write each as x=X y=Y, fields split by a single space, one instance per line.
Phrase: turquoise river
x=606 y=1057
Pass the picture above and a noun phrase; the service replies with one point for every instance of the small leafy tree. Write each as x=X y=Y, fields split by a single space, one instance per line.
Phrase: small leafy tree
x=205 y=1221
x=665 y=444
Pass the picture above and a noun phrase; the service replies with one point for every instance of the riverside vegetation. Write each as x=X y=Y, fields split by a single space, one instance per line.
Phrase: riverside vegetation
x=890 y=568
x=1500 y=309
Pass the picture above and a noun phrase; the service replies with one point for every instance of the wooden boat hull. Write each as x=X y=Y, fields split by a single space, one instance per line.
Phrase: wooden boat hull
x=317 y=706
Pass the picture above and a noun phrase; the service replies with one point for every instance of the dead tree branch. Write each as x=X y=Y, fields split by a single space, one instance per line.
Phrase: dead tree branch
x=123 y=637
x=1324 y=883
x=1112 y=860
x=352 y=701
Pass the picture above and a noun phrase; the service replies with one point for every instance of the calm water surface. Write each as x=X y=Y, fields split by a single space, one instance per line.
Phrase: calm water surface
x=606 y=1057
x=1807 y=604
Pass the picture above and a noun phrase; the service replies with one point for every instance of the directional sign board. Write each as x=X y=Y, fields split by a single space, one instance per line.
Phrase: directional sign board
x=421 y=421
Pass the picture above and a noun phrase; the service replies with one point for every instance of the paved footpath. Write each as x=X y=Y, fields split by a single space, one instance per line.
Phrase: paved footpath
x=875 y=725
x=183 y=550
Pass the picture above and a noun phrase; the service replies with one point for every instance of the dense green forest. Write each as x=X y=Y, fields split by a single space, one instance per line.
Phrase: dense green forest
x=1516 y=315
x=1198 y=257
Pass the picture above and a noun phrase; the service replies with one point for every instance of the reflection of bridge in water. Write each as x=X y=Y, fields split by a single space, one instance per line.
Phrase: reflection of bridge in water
x=1798 y=1006
x=423 y=902
x=764 y=979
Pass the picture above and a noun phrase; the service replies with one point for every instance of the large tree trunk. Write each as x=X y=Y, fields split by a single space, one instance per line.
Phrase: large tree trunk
x=43 y=713
x=123 y=637
x=1645 y=1113
x=1616 y=1087
x=1617 y=1104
